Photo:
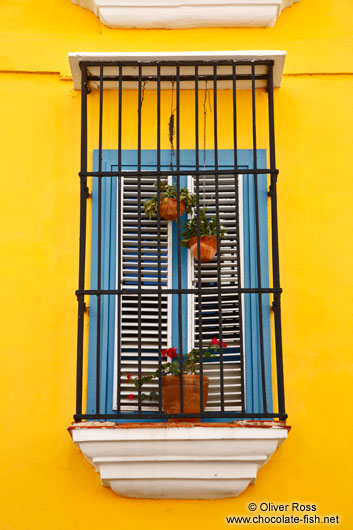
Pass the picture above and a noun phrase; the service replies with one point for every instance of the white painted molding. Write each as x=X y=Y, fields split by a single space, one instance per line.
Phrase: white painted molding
x=174 y=14
x=277 y=56
x=178 y=462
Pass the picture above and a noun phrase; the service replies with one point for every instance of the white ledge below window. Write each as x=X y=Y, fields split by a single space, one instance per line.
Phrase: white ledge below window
x=178 y=461
x=174 y=14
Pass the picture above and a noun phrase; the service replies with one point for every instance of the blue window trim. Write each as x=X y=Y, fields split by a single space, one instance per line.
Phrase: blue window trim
x=250 y=301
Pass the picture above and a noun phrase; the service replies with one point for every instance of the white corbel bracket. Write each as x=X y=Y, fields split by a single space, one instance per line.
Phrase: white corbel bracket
x=175 y=14
x=161 y=461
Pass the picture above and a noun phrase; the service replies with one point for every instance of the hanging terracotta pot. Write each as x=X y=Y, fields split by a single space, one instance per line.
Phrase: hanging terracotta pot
x=169 y=209
x=191 y=396
x=208 y=248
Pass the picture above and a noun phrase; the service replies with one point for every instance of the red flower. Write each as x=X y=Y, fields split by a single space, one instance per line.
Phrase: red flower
x=215 y=342
x=172 y=353
x=131 y=396
x=128 y=377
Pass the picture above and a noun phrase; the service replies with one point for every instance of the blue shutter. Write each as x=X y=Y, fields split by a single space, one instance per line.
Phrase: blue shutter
x=108 y=267
x=250 y=306
x=253 y=382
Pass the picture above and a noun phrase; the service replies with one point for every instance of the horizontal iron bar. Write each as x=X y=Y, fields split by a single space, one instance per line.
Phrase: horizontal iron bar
x=147 y=416
x=173 y=62
x=224 y=290
x=170 y=78
x=168 y=172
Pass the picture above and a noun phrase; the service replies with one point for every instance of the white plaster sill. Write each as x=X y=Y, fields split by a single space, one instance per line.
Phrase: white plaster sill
x=178 y=461
x=175 y=14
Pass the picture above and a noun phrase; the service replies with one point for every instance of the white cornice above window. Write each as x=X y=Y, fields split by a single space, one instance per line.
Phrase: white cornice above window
x=173 y=14
x=94 y=59
x=204 y=461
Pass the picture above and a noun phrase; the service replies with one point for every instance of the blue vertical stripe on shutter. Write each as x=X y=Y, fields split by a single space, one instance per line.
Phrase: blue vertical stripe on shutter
x=184 y=282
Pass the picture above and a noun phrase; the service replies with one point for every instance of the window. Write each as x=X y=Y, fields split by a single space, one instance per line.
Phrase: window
x=163 y=326
x=146 y=291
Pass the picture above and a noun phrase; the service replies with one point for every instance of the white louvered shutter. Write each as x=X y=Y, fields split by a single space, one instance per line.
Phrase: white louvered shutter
x=229 y=302
x=129 y=277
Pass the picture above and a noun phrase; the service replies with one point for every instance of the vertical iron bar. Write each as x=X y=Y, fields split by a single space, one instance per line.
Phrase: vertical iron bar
x=235 y=135
x=99 y=257
x=83 y=210
x=120 y=116
x=139 y=277
x=119 y=257
x=219 y=278
x=180 y=299
x=275 y=253
x=237 y=228
x=159 y=236
x=199 y=284
x=258 y=255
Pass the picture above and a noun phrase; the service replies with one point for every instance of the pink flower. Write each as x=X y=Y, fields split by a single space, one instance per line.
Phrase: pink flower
x=131 y=396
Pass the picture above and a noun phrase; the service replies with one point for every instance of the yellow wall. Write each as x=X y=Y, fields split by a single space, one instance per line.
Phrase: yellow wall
x=46 y=482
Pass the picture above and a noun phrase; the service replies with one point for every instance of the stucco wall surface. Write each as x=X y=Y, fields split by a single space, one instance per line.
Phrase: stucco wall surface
x=46 y=482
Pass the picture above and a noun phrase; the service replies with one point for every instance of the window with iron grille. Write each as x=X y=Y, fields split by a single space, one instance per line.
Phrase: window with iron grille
x=146 y=291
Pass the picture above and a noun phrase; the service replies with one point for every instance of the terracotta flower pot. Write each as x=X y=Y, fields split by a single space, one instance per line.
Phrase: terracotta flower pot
x=169 y=209
x=191 y=396
x=208 y=247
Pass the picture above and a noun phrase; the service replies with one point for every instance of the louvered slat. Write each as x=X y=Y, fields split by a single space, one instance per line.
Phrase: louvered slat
x=209 y=310
x=149 y=321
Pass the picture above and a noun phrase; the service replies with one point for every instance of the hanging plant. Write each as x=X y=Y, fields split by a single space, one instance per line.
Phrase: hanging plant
x=169 y=202
x=208 y=236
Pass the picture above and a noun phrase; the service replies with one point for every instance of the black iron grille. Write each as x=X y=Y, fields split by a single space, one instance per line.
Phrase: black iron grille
x=145 y=292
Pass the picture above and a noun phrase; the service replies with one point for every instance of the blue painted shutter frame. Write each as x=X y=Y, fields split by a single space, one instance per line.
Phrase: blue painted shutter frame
x=253 y=382
x=250 y=301
x=108 y=267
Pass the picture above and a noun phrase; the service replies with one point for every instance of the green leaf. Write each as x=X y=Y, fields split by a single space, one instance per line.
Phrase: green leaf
x=208 y=227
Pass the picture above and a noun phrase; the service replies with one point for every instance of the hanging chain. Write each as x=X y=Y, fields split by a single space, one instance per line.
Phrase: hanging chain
x=143 y=93
x=204 y=144
x=206 y=97
x=171 y=128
